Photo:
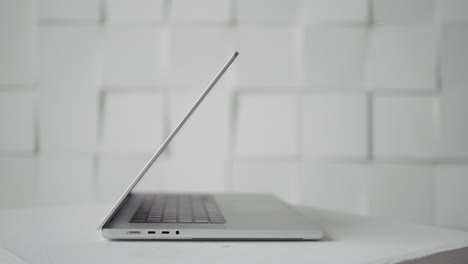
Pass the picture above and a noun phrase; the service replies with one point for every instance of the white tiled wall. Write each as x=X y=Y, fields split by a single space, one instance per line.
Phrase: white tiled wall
x=454 y=56
x=277 y=177
x=270 y=55
x=453 y=10
x=85 y=10
x=18 y=43
x=338 y=186
x=395 y=11
x=266 y=126
x=335 y=11
x=131 y=56
x=201 y=11
x=68 y=57
x=209 y=46
x=405 y=192
x=17 y=134
x=352 y=105
x=132 y=122
x=70 y=178
x=18 y=183
x=335 y=56
x=266 y=12
x=131 y=11
x=454 y=128
x=63 y=115
x=450 y=196
x=405 y=127
x=401 y=57
x=335 y=125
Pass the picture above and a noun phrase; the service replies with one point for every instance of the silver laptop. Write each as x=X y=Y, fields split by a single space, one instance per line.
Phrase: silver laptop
x=160 y=216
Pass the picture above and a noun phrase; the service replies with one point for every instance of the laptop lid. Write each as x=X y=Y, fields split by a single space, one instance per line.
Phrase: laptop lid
x=166 y=142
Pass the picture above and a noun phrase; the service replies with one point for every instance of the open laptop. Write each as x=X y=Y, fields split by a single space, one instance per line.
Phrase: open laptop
x=173 y=216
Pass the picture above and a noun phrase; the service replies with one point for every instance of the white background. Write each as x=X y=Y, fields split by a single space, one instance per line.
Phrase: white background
x=352 y=105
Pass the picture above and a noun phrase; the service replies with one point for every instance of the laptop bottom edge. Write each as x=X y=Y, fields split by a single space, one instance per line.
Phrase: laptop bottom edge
x=211 y=235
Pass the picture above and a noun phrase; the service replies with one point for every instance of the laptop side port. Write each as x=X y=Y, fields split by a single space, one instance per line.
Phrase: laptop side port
x=152 y=232
x=133 y=232
x=165 y=232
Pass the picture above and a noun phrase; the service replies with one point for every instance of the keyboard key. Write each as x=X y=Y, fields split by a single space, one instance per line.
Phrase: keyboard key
x=217 y=221
x=155 y=214
x=138 y=220
x=217 y=218
x=185 y=216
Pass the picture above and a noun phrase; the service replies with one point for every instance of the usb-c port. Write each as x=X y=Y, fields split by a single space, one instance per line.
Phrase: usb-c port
x=151 y=232
x=165 y=232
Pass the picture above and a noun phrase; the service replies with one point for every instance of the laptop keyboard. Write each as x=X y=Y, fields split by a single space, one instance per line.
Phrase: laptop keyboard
x=173 y=208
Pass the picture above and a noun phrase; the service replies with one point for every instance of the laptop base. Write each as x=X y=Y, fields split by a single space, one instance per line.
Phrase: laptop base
x=248 y=217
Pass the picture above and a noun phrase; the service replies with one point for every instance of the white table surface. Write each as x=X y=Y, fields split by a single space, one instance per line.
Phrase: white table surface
x=69 y=235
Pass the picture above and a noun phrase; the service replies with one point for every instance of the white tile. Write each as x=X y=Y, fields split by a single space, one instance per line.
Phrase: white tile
x=326 y=11
x=68 y=9
x=268 y=57
x=195 y=65
x=404 y=10
x=206 y=134
x=132 y=56
x=132 y=123
x=68 y=57
x=401 y=57
x=114 y=175
x=17 y=116
x=17 y=47
x=68 y=121
x=135 y=10
x=335 y=186
x=402 y=192
x=453 y=10
x=454 y=128
x=188 y=11
x=261 y=176
x=451 y=195
x=405 y=127
x=188 y=175
x=18 y=182
x=335 y=56
x=335 y=126
x=266 y=125
x=454 y=57
x=267 y=11
x=65 y=180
